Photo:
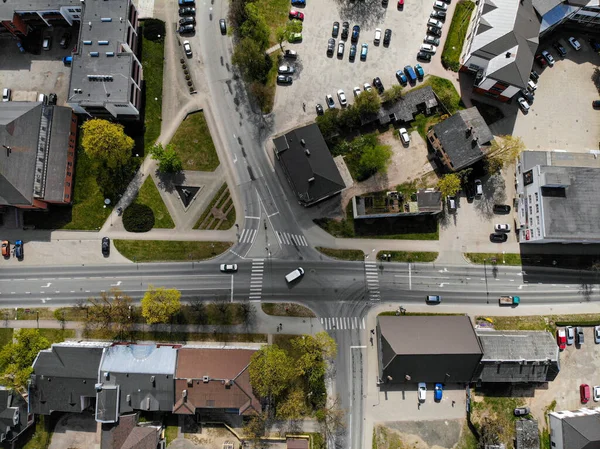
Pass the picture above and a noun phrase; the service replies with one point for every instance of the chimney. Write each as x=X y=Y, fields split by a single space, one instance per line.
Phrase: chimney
x=303 y=142
x=307 y=152
x=311 y=179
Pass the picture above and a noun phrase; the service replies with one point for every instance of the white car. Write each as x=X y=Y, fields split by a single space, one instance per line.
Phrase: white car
x=228 y=268
x=422 y=391
x=523 y=104
x=404 y=136
x=342 y=97
x=596 y=393
x=435 y=23
x=502 y=227
x=377 y=36
x=187 y=48
x=531 y=85
x=6 y=94
x=440 y=5
x=575 y=43
x=367 y=87
x=428 y=48
x=285 y=69
x=356 y=91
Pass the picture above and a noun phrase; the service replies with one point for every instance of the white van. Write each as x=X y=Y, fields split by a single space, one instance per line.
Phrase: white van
x=296 y=274
x=42 y=98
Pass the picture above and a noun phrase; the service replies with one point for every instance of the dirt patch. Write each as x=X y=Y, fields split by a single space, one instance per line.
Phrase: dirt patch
x=418 y=434
x=212 y=437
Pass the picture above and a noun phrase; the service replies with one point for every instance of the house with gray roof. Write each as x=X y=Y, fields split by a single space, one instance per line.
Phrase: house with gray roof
x=421 y=100
x=37 y=155
x=517 y=357
x=128 y=433
x=579 y=429
x=308 y=165
x=14 y=417
x=387 y=205
x=460 y=140
x=135 y=377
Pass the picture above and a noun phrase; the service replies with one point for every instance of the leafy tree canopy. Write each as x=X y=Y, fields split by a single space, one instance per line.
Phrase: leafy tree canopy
x=106 y=142
x=160 y=304
x=271 y=371
x=17 y=357
x=449 y=184
x=168 y=159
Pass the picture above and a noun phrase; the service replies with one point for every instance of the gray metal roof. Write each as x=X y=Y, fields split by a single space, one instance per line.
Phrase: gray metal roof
x=544 y=6
x=581 y=432
x=57 y=158
x=527 y=434
x=69 y=360
x=8 y=7
x=429 y=334
x=429 y=200
x=139 y=359
x=107 y=404
x=508 y=346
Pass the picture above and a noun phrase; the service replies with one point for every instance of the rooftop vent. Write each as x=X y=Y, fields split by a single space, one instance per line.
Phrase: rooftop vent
x=106 y=19
x=307 y=152
x=106 y=375
x=128 y=399
x=190 y=382
x=303 y=142
x=184 y=394
x=311 y=179
x=94 y=54
x=102 y=42
x=205 y=379
x=87 y=42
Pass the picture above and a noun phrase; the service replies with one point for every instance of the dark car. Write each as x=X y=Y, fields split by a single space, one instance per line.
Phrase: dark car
x=187 y=11
x=52 y=98
x=434 y=31
x=579 y=336
x=336 y=29
x=521 y=411
x=596 y=104
x=290 y=54
x=65 y=40
x=541 y=61
x=384 y=3
x=105 y=246
x=420 y=72
x=401 y=77
x=185 y=29
x=223 y=26
x=534 y=76
x=345 y=30
x=284 y=79
x=187 y=21
x=387 y=37
x=19 y=249
x=501 y=209
x=355 y=33
x=562 y=51
x=528 y=95
x=594 y=44
x=352 y=52
x=330 y=46
x=439 y=15
x=498 y=238
x=424 y=56
x=299 y=2
x=319 y=109
x=378 y=84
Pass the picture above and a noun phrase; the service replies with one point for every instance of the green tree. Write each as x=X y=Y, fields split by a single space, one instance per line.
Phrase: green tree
x=168 y=159
x=111 y=311
x=252 y=61
x=375 y=159
x=349 y=118
x=506 y=148
x=493 y=164
x=368 y=102
x=17 y=357
x=263 y=95
x=392 y=94
x=160 y=304
x=255 y=27
x=294 y=405
x=106 y=142
x=328 y=123
x=449 y=184
x=331 y=418
x=271 y=371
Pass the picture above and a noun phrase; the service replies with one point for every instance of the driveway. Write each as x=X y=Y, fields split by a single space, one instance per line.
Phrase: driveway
x=318 y=75
x=75 y=431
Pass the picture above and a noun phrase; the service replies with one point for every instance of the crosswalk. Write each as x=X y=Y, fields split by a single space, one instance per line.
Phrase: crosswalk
x=248 y=235
x=343 y=323
x=256 y=279
x=291 y=239
x=372 y=276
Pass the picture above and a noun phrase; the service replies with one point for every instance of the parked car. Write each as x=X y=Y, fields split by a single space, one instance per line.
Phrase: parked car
x=438 y=392
x=562 y=51
x=400 y=4
x=502 y=227
x=424 y=56
x=594 y=44
x=223 y=26
x=579 y=335
x=401 y=77
x=363 y=52
x=330 y=46
x=340 y=51
x=434 y=31
x=498 y=238
x=105 y=246
x=187 y=11
x=356 y=91
x=420 y=72
x=186 y=2
x=596 y=334
x=478 y=188
x=440 y=5
x=377 y=38
x=410 y=74
x=596 y=393
x=319 y=109
x=570 y=331
x=5 y=248
x=329 y=101
x=19 y=249
x=422 y=391
x=404 y=136
x=584 y=393
x=501 y=209
x=387 y=37
x=345 y=30
x=228 y=268
x=284 y=79
x=6 y=94
x=428 y=48
x=521 y=411
x=295 y=37
x=528 y=95
x=378 y=84
x=355 y=34
x=548 y=57
x=524 y=105
x=534 y=76
x=336 y=29
x=65 y=40
x=285 y=69
x=434 y=23
x=47 y=43
x=432 y=40
x=561 y=339
x=367 y=87
x=596 y=104
x=352 y=55
x=290 y=54
x=433 y=299
x=187 y=21
x=541 y=61
x=296 y=15
x=299 y=2
x=574 y=43
x=435 y=14
x=342 y=98
x=187 y=48
x=447 y=1
x=186 y=29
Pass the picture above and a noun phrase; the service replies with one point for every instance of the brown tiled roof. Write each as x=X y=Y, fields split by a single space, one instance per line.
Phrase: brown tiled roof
x=142 y=438
x=228 y=383
x=297 y=444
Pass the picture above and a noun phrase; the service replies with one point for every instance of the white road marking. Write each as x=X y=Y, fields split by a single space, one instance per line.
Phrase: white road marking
x=248 y=217
x=46 y=286
x=357 y=347
x=116 y=285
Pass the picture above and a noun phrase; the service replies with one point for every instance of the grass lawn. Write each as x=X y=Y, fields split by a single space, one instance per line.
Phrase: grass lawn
x=152 y=63
x=496 y=405
x=271 y=83
x=343 y=254
x=57 y=335
x=6 y=336
x=456 y=35
x=179 y=337
x=44 y=313
x=222 y=200
x=501 y=259
x=171 y=428
x=166 y=250
x=540 y=323
x=194 y=145
x=41 y=436
x=150 y=196
x=406 y=256
x=275 y=13
x=286 y=309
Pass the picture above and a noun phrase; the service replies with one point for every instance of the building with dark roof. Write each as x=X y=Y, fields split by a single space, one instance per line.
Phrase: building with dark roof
x=460 y=140
x=14 y=417
x=557 y=201
x=128 y=433
x=416 y=349
x=517 y=357
x=421 y=100
x=527 y=434
x=388 y=205
x=38 y=154
x=64 y=378
x=308 y=165
x=578 y=429
x=214 y=381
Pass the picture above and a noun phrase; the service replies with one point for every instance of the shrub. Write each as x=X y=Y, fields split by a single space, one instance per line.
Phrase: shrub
x=189 y=83
x=154 y=29
x=187 y=77
x=138 y=218
x=184 y=66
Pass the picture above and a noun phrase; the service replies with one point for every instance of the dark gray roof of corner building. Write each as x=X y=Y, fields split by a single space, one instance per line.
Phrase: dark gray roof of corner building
x=514 y=346
x=69 y=360
x=57 y=159
x=581 y=432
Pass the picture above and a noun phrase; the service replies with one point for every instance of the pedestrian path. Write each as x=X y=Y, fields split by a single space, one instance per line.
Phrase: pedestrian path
x=256 y=279
x=372 y=276
x=342 y=323
x=291 y=239
x=248 y=235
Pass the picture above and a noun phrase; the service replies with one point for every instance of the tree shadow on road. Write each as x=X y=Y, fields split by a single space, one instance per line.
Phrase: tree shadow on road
x=367 y=13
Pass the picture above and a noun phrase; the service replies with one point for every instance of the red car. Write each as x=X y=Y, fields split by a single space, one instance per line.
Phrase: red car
x=584 y=392
x=296 y=15
x=561 y=339
x=400 y=4
x=5 y=248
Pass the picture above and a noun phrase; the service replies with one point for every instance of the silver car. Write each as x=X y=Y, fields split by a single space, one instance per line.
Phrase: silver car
x=570 y=331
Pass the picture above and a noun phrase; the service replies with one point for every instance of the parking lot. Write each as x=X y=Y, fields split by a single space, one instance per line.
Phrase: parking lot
x=318 y=75
x=43 y=72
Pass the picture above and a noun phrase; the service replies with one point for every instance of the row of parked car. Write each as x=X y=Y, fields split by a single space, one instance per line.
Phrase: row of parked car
x=570 y=335
x=17 y=249
x=434 y=30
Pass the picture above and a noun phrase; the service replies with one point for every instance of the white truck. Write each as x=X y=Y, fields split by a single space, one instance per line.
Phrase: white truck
x=296 y=274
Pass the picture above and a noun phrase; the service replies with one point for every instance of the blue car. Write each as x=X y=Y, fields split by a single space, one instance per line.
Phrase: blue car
x=410 y=73
x=363 y=52
x=19 y=249
x=401 y=77
x=186 y=2
x=437 y=392
x=299 y=2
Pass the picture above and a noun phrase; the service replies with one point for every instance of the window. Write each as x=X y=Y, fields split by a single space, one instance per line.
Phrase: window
x=537 y=208
x=75 y=16
x=536 y=196
x=530 y=210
